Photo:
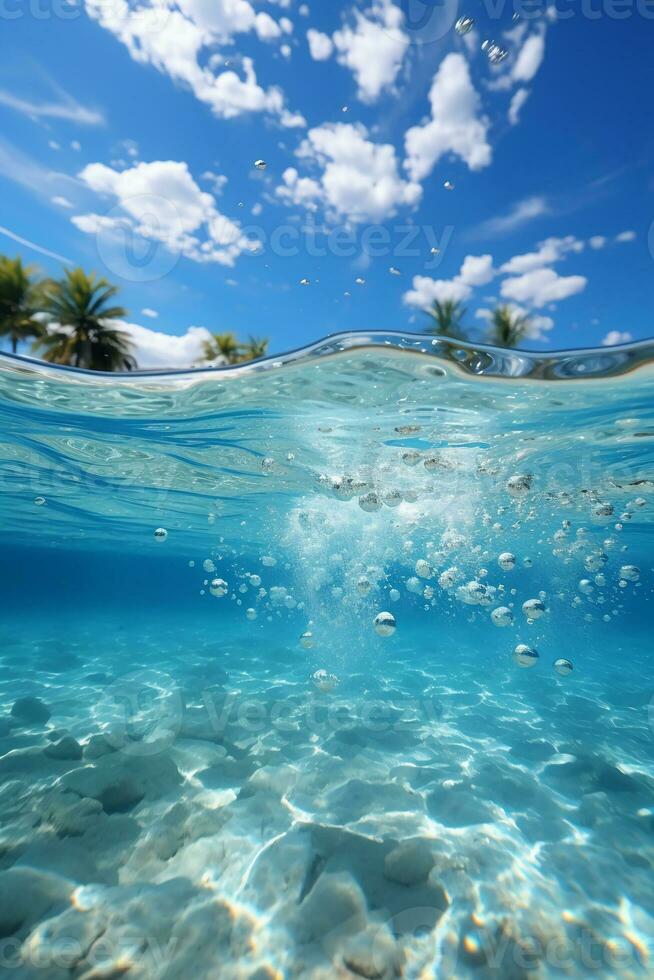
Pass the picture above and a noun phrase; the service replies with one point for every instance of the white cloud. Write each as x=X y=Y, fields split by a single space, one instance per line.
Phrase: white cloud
x=526 y=64
x=626 y=236
x=476 y=270
x=162 y=202
x=597 y=242
x=517 y=101
x=61 y=202
x=320 y=45
x=550 y=251
x=617 y=337
x=519 y=214
x=303 y=191
x=66 y=108
x=425 y=291
x=267 y=29
x=529 y=59
x=541 y=286
x=148 y=312
x=456 y=125
x=153 y=349
x=360 y=180
x=175 y=41
x=373 y=48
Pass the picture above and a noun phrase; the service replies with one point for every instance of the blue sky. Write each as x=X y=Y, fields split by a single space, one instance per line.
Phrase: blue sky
x=129 y=134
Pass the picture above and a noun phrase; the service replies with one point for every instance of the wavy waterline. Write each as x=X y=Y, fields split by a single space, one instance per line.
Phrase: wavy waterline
x=460 y=357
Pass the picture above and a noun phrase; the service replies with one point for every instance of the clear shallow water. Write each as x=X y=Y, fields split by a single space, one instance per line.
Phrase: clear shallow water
x=431 y=808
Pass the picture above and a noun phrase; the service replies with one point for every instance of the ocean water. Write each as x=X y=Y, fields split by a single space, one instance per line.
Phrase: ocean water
x=217 y=760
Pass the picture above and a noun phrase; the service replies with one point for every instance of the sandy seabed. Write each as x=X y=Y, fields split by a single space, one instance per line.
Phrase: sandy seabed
x=173 y=806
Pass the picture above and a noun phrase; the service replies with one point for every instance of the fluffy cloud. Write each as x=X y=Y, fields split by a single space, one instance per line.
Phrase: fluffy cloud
x=303 y=191
x=529 y=59
x=153 y=349
x=320 y=45
x=476 y=270
x=175 y=42
x=517 y=101
x=617 y=337
x=456 y=126
x=373 y=48
x=626 y=236
x=542 y=286
x=160 y=201
x=550 y=251
x=359 y=180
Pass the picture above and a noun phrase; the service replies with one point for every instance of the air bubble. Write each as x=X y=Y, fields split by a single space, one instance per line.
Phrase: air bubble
x=384 y=624
x=218 y=587
x=464 y=25
x=525 y=656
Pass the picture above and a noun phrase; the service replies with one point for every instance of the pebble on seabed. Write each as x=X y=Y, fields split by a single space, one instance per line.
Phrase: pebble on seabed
x=324 y=681
x=218 y=587
x=563 y=666
x=384 y=624
x=161 y=534
x=525 y=656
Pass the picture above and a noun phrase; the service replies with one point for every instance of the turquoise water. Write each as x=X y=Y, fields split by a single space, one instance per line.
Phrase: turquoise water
x=227 y=770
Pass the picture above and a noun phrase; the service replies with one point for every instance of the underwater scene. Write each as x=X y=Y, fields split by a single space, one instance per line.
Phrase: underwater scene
x=335 y=665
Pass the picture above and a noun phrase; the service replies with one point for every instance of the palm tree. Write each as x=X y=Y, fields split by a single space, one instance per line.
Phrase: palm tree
x=447 y=317
x=255 y=347
x=507 y=327
x=20 y=299
x=80 y=307
x=222 y=345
